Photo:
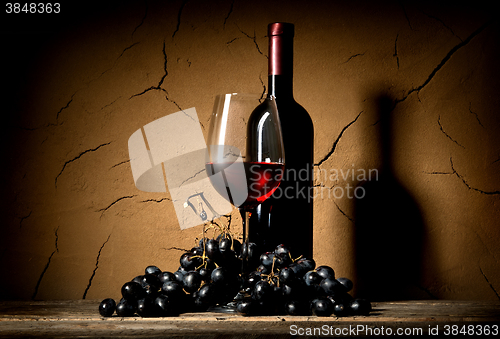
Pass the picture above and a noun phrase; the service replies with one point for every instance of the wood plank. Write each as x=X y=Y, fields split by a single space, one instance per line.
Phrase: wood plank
x=77 y=318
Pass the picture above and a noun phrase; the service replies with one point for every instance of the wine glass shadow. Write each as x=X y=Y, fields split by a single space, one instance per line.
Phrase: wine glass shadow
x=389 y=228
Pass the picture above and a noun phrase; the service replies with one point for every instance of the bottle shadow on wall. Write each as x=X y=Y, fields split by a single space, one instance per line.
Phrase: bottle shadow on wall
x=389 y=229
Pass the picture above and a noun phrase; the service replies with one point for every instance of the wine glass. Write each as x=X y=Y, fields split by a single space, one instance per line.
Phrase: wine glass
x=246 y=157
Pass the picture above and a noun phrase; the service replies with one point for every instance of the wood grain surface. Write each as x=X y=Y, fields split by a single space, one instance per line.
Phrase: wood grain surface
x=80 y=318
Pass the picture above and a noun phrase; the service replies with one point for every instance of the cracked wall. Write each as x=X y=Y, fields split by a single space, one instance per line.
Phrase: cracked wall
x=409 y=89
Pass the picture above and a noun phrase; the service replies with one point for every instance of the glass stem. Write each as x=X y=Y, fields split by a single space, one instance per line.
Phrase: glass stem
x=245 y=217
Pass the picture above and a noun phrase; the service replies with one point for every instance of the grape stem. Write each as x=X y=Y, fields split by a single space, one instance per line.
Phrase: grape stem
x=272 y=278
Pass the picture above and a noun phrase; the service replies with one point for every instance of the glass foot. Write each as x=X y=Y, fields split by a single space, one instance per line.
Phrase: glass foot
x=229 y=307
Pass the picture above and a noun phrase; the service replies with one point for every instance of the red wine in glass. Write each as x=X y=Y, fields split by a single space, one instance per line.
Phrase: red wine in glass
x=259 y=179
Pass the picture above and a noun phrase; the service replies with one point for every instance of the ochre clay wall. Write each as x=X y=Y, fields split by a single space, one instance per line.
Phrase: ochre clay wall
x=406 y=88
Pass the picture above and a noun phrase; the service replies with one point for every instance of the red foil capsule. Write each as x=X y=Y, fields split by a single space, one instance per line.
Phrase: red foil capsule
x=280 y=48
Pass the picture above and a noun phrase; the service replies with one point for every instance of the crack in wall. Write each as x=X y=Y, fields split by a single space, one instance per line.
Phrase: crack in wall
x=489 y=283
x=352 y=57
x=124 y=50
x=24 y=218
x=175 y=248
x=444 y=61
x=192 y=177
x=231 y=41
x=458 y=175
x=114 y=63
x=157 y=200
x=179 y=15
x=46 y=266
x=111 y=103
x=143 y=18
x=443 y=23
x=165 y=60
x=96 y=267
x=343 y=213
x=179 y=107
x=334 y=146
x=264 y=89
x=78 y=157
x=147 y=90
x=65 y=107
x=438 y=173
x=475 y=114
x=102 y=210
x=253 y=38
x=228 y=14
x=469 y=186
x=120 y=163
x=396 y=50
x=447 y=135
x=406 y=15
x=160 y=83
x=336 y=205
x=89 y=82
x=485 y=246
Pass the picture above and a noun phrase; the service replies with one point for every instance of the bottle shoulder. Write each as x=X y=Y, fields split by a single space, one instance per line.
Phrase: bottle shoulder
x=293 y=112
x=293 y=116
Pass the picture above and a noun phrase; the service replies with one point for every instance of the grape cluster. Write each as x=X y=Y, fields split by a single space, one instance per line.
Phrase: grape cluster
x=210 y=274
x=282 y=285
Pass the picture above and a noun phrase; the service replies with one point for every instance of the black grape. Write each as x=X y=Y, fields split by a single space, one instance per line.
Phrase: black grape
x=192 y=281
x=173 y=289
x=360 y=307
x=282 y=250
x=330 y=286
x=312 y=278
x=152 y=270
x=297 y=307
x=347 y=283
x=125 y=308
x=165 y=307
x=166 y=276
x=307 y=264
x=340 y=310
x=322 y=307
x=266 y=259
x=188 y=261
x=132 y=291
x=262 y=291
x=212 y=249
x=325 y=272
x=107 y=307
x=286 y=276
x=246 y=307
x=146 y=307
x=205 y=274
x=219 y=275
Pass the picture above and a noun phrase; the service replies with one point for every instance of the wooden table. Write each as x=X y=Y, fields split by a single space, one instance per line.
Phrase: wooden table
x=80 y=318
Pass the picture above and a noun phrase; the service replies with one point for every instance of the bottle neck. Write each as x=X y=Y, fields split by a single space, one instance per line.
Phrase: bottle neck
x=280 y=86
x=280 y=80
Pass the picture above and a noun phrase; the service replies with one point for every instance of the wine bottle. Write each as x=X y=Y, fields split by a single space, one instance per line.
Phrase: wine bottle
x=287 y=216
